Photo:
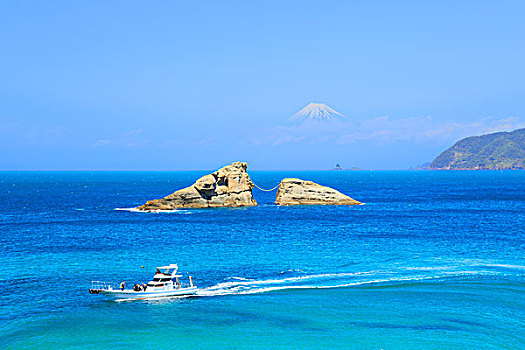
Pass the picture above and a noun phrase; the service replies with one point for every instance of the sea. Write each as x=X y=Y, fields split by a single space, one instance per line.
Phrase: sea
x=432 y=260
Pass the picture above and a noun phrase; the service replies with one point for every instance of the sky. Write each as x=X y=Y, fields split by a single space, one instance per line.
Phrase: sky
x=171 y=85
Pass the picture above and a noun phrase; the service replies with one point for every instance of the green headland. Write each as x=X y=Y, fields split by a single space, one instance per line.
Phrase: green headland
x=501 y=150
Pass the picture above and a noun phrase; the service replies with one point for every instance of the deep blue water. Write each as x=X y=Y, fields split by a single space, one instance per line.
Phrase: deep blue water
x=434 y=260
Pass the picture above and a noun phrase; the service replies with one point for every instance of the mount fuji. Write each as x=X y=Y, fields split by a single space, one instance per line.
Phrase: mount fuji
x=316 y=112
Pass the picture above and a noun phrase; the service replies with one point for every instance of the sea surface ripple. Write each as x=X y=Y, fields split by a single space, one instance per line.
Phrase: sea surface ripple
x=434 y=260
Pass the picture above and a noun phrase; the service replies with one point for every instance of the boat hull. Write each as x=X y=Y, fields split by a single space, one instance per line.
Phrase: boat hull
x=133 y=295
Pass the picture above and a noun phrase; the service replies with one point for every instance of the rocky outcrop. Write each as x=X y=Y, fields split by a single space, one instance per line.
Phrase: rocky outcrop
x=298 y=192
x=229 y=186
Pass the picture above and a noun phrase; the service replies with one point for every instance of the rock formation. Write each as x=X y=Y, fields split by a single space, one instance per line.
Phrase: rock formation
x=297 y=192
x=229 y=186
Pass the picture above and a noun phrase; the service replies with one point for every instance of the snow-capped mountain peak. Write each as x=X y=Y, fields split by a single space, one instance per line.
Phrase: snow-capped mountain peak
x=316 y=112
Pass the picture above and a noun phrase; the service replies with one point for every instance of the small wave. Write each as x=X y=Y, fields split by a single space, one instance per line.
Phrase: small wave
x=286 y=280
x=427 y=268
x=239 y=278
x=254 y=286
x=487 y=264
x=323 y=281
x=135 y=210
x=222 y=289
x=505 y=266
x=79 y=209
x=291 y=271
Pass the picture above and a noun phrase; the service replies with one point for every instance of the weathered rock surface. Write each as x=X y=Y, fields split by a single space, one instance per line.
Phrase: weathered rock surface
x=298 y=192
x=229 y=186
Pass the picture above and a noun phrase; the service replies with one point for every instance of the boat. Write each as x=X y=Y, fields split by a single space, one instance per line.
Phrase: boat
x=165 y=283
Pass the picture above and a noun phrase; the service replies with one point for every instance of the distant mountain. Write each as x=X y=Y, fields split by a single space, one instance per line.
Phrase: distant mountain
x=501 y=150
x=424 y=166
x=316 y=112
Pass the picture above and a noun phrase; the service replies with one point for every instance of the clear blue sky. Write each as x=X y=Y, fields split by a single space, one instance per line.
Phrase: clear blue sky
x=195 y=85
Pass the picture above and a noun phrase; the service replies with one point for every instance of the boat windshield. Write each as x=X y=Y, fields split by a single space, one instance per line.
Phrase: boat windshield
x=162 y=279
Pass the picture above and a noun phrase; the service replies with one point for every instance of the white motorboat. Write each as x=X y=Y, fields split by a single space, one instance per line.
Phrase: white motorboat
x=165 y=283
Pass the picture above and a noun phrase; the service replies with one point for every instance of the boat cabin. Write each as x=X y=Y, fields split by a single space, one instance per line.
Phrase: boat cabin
x=165 y=278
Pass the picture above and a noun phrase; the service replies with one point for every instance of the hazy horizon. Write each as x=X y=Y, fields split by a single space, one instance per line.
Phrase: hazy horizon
x=128 y=86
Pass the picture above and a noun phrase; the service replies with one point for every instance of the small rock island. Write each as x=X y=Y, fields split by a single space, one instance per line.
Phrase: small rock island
x=229 y=186
x=300 y=192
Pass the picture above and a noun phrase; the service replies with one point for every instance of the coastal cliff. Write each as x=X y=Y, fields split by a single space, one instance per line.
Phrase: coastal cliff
x=298 y=192
x=229 y=186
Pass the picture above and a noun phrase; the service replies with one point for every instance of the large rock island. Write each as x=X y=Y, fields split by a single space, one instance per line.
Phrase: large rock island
x=501 y=150
x=229 y=186
x=298 y=192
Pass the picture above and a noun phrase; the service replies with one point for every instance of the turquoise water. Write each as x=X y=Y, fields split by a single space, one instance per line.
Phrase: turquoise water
x=434 y=260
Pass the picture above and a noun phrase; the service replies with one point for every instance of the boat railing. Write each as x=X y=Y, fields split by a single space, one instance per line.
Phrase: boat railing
x=103 y=285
